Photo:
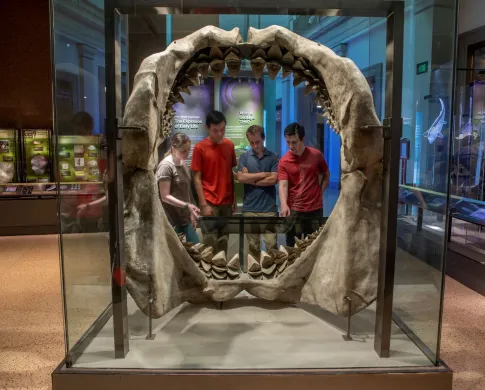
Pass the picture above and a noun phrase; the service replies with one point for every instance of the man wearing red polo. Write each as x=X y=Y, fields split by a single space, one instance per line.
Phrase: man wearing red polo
x=303 y=176
x=212 y=161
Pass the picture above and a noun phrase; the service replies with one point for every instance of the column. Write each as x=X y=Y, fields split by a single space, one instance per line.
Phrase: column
x=88 y=82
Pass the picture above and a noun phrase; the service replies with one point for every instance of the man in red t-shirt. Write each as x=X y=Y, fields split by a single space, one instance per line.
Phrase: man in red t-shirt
x=212 y=161
x=303 y=176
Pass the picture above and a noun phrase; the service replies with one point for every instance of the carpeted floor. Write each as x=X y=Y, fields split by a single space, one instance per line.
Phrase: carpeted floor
x=31 y=325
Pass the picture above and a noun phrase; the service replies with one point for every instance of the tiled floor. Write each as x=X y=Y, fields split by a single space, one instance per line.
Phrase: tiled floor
x=31 y=332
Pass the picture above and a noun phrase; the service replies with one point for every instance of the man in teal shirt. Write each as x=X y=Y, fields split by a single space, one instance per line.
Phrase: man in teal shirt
x=258 y=170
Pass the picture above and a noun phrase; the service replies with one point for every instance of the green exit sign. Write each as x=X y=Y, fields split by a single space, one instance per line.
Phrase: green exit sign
x=422 y=67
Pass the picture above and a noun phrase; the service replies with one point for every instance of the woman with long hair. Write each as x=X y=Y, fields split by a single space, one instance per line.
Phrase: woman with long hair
x=174 y=184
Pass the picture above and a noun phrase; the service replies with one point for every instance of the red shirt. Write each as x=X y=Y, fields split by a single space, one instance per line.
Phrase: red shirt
x=215 y=162
x=304 y=190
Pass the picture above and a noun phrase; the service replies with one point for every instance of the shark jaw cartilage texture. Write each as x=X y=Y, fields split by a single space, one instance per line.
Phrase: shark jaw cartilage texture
x=339 y=259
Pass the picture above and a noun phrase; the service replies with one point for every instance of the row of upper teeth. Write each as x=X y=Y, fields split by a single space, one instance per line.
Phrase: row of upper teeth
x=268 y=266
x=216 y=60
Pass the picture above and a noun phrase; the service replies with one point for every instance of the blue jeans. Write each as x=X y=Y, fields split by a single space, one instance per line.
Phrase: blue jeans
x=190 y=234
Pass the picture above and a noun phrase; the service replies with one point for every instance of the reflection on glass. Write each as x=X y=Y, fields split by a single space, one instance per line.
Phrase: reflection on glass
x=81 y=164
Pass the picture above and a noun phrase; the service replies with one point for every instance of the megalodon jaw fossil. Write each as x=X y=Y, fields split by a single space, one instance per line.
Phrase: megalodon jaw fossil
x=338 y=261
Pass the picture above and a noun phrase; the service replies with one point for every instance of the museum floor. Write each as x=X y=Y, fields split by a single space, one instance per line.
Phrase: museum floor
x=31 y=339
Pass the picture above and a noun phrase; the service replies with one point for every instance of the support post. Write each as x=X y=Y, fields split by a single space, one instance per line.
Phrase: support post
x=348 y=337
x=113 y=28
x=390 y=179
x=150 y=335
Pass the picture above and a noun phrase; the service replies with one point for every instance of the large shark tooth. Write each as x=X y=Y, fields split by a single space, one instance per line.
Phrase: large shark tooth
x=219 y=268
x=192 y=250
x=310 y=76
x=203 y=68
x=309 y=89
x=298 y=66
x=216 y=52
x=273 y=69
x=185 y=90
x=232 y=272
x=253 y=265
x=177 y=98
x=257 y=65
x=199 y=246
x=191 y=67
x=196 y=258
x=286 y=73
x=217 y=68
x=194 y=77
x=282 y=266
x=274 y=53
x=288 y=60
x=266 y=260
x=220 y=259
x=303 y=62
x=232 y=50
x=281 y=257
x=269 y=270
x=207 y=254
x=234 y=263
x=187 y=82
x=233 y=64
x=218 y=275
x=203 y=58
x=298 y=78
x=259 y=53
x=206 y=266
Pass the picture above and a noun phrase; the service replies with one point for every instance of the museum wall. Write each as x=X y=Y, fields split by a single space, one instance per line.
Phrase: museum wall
x=25 y=69
x=471 y=15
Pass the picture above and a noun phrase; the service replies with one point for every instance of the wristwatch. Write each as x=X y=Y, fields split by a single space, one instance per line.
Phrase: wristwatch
x=186 y=207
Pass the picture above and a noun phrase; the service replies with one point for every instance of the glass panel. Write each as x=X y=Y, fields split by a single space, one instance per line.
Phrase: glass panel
x=427 y=92
x=468 y=161
x=249 y=332
x=81 y=164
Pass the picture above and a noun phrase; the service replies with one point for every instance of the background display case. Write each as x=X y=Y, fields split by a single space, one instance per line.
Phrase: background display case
x=8 y=156
x=78 y=158
x=110 y=334
x=467 y=239
x=37 y=156
x=28 y=191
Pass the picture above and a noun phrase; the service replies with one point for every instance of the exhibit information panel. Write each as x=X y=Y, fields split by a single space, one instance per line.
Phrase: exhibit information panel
x=36 y=147
x=242 y=105
x=78 y=158
x=8 y=156
x=190 y=115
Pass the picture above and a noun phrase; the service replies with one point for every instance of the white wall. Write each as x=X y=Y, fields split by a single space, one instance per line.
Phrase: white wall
x=471 y=15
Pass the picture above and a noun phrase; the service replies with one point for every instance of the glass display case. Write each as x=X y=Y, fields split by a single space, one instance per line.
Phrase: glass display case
x=8 y=156
x=333 y=292
x=26 y=164
x=468 y=162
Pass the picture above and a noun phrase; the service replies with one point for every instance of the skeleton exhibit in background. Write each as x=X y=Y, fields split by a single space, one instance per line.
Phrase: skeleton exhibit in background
x=336 y=261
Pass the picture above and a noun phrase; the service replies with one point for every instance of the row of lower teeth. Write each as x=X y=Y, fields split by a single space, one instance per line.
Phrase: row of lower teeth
x=271 y=263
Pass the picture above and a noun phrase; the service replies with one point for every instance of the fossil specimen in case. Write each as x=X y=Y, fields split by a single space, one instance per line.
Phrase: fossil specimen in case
x=338 y=260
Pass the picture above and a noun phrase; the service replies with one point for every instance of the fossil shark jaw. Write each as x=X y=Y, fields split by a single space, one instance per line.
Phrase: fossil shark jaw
x=335 y=265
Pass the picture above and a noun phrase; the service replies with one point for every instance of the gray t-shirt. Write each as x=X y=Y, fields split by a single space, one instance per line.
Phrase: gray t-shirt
x=180 y=180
